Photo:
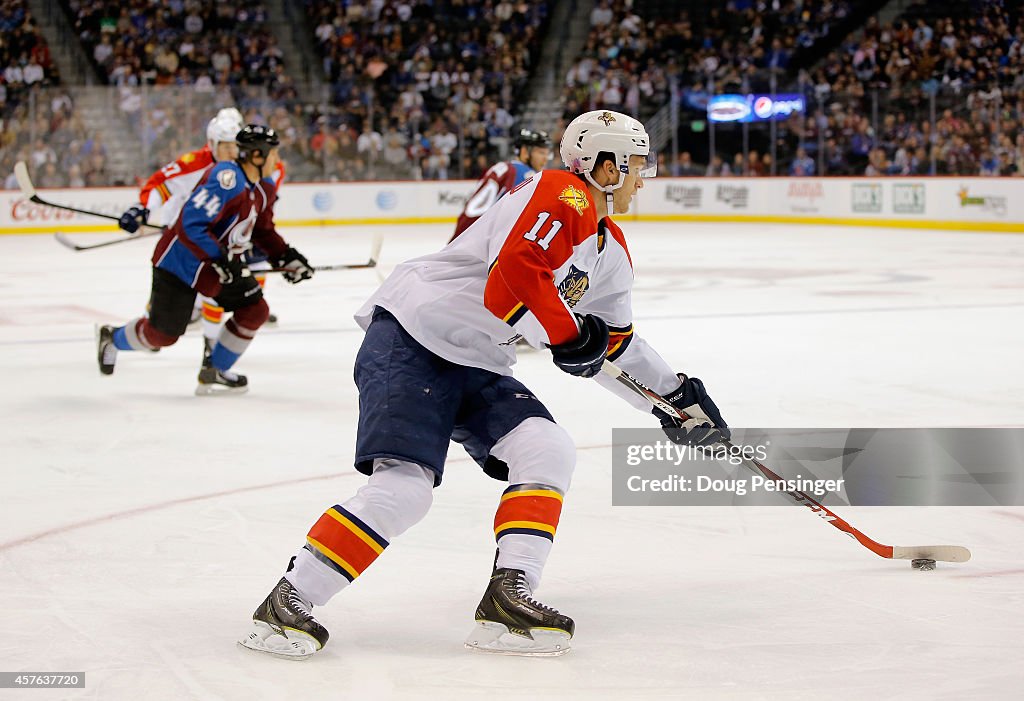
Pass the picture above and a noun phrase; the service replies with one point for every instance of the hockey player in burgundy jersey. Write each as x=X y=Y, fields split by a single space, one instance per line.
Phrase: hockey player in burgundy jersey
x=533 y=151
x=166 y=191
x=545 y=263
x=230 y=209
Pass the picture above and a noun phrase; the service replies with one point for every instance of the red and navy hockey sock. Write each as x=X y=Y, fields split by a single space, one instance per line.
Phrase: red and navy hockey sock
x=524 y=527
x=344 y=542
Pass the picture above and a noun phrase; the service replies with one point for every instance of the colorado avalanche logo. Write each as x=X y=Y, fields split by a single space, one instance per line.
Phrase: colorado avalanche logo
x=226 y=178
x=574 y=286
x=575 y=198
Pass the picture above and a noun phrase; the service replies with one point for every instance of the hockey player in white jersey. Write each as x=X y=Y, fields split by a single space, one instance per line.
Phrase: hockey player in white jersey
x=165 y=191
x=545 y=263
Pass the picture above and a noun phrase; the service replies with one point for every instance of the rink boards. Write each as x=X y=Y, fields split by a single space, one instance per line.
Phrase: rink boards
x=978 y=204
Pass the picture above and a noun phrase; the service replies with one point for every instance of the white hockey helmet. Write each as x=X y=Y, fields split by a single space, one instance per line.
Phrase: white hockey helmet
x=221 y=130
x=232 y=114
x=604 y=131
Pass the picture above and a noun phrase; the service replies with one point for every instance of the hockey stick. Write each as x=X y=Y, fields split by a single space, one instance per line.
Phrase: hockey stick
x=65 y=240
x=378 y=242
x=943 y=553
x=29 y=190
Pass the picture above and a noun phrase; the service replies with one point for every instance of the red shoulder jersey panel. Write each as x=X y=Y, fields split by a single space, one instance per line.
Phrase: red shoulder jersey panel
x=191 y=162
x=559 y=216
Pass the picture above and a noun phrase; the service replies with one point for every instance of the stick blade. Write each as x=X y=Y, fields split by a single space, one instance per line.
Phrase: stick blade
x=939 y=553
x=64 y=240
x=378 y=243
x=24 y=182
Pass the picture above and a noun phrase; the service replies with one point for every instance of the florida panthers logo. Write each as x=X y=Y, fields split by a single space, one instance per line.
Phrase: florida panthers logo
x=575 y=198
x=606 y=117
x=574 y=286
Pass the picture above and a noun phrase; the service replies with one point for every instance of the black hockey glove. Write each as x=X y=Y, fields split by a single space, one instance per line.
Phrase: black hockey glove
x=296 y=267
x=584 y=355
x=706 y=425
x=238 y=286
x=133 y=218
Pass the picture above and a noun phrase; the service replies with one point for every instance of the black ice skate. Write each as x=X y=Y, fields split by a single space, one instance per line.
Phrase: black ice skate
x=207 y=352
x=509 y=621
x=106 y=351
x=214 y=381
x=283 y=625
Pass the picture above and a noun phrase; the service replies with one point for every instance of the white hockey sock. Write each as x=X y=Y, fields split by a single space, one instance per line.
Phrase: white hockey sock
x=350 y=536
x=213 y=316
x=524 y=552
x=540 y=458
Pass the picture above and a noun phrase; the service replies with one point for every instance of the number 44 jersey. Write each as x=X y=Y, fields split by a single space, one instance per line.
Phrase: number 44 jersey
x=532 y=262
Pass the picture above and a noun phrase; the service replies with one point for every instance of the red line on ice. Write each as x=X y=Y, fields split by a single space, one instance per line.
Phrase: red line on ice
x=162 y=505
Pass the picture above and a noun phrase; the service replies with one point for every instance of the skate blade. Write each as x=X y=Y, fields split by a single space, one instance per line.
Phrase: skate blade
x=215 y=390
x=104 y=369
x=293 y=645
x=495 y=638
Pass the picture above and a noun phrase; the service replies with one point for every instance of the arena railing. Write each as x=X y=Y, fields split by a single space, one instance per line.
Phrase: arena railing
x=119 y=135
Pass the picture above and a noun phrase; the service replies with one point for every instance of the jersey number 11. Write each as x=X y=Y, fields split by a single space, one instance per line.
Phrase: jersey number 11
x=542 y=219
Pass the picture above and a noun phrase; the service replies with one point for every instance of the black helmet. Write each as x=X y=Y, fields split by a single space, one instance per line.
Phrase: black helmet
x=529 y=137
x=255 y=140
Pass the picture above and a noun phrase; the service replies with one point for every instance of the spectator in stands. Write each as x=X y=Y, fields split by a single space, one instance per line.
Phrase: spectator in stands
x=395 y=154
x=802 y=165
x=75 y=178
x=876 y=163
x=96 y=173
x=14 y=75
x=10 y=182
x=685 y=167
x=33 y=73
x=601 y=15
x=51 y=177
x=717 y=167
x=42 y=154
x=443 y=141
x=171 y=40
x=989 y=163
x=739 y=164
x=369 y=144
x=755 y=166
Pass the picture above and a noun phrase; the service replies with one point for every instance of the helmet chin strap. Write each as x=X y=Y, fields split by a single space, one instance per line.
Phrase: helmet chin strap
x=608 y=190
x=259 y=167
x=248 y=159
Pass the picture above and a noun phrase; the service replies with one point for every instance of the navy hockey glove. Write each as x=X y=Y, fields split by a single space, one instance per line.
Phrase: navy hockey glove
x=706 y=427
x=584 y=355
x=133 y=218
x=296 y=267
x=238 y=286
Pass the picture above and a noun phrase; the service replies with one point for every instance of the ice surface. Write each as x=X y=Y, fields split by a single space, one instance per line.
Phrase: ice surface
x=140 y=525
